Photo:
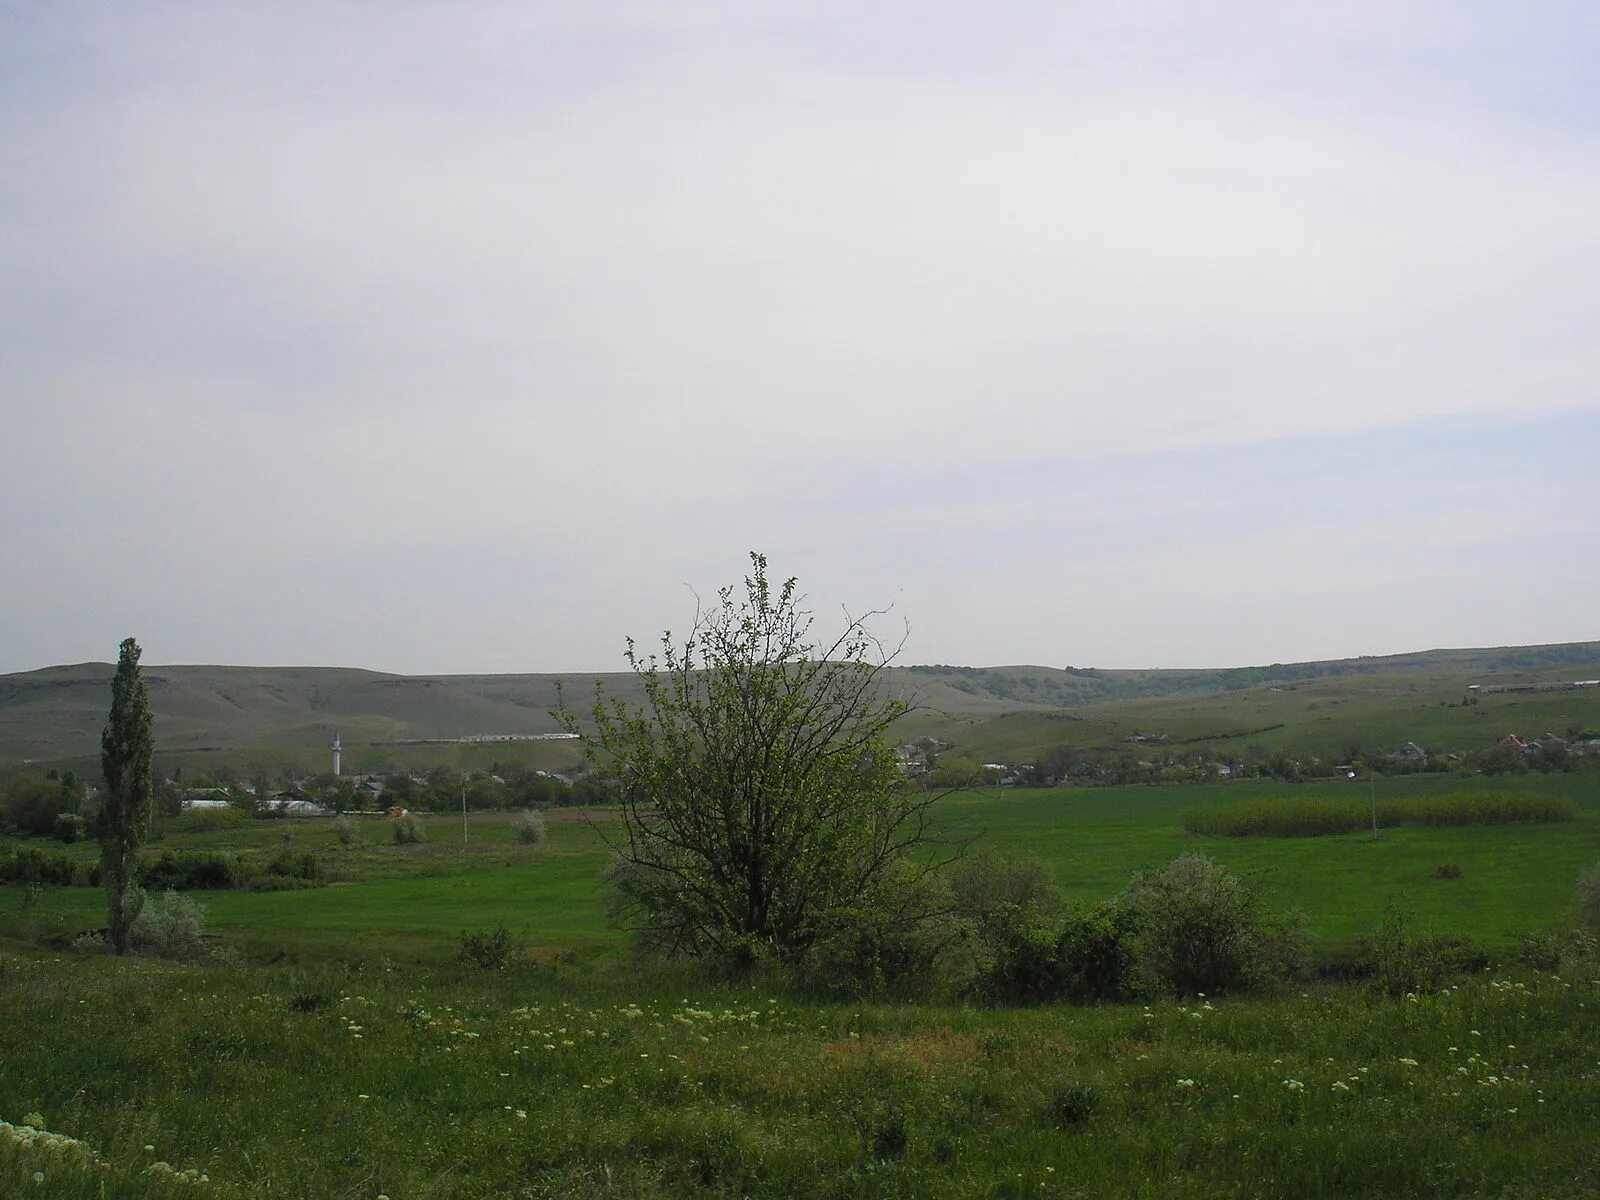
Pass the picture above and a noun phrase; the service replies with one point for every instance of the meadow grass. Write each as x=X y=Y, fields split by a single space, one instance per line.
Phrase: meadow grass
x=1292 y=816
x=445 y=1082
x=339 y=1048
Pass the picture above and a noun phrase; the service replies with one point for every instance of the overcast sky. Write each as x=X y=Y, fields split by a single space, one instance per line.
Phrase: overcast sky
x=462 y=336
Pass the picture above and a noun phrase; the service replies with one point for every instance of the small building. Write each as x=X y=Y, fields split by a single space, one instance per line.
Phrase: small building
x=293 y=804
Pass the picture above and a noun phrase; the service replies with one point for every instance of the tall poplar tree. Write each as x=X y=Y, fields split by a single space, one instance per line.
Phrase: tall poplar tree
x=126 y=749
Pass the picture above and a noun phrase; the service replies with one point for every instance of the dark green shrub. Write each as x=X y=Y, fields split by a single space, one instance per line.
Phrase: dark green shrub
x=871 y=950
x=32 y=803
x=191 y=871
x=1010 y=904
x=492 y=949
x=1095 y=954
x=295 y=864
x=207 y=820
x=29 y=865
x=1447 y=871
x=69 y=828
x=1541 y=951
x=1196 y=928
x=1022 y=962
x=409 y=831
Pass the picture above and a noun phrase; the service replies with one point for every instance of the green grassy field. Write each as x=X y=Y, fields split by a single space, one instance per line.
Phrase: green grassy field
x=340 y=1049
x=413 y=901
x=375 y=1081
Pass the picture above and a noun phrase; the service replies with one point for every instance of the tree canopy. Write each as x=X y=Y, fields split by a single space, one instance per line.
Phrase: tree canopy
x=759 y=795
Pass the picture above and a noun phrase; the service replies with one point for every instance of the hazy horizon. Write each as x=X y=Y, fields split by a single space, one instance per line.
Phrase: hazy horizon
x=623 y=668
x=468 y=338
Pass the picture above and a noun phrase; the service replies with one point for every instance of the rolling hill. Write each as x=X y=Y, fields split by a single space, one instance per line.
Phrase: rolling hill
x=281 y=714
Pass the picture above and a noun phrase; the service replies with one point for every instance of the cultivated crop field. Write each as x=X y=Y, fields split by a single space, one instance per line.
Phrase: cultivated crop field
x=339 y=1047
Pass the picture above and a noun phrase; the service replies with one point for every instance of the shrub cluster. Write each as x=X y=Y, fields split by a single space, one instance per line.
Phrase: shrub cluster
x=409 y=830
x=1310 y=816
x=69 y=828
x=870 y=950
x=492 y=949
x=192 y=871
x=30 y=865
x=1190 y=927
x=295 y=864
x=1004 y=935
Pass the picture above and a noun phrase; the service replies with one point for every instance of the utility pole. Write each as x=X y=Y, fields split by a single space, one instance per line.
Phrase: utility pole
x=1372 y=794
x=463 y=808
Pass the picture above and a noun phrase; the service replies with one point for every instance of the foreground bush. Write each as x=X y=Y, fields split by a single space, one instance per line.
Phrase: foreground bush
x=1190 y=927
x=409 y=830
x=1196 y=927
x=888 y=943
x=1010 y=907
x=1311 y=816
x=1095 y=950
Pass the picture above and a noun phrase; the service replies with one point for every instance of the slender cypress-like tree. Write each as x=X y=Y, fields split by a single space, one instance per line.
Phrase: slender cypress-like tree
x=126 y=749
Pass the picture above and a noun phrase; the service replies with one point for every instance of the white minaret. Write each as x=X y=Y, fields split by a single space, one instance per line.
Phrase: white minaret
x=336 y=756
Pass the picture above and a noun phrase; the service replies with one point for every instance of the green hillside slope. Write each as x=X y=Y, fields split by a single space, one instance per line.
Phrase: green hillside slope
x=1015 y=712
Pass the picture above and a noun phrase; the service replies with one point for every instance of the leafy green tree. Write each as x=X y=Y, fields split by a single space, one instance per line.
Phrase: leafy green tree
x=758 y=793
x=32 y=803
x=126 y=749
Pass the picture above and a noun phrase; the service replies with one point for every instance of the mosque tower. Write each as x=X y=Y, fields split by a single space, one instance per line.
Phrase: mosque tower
x=336 y=756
